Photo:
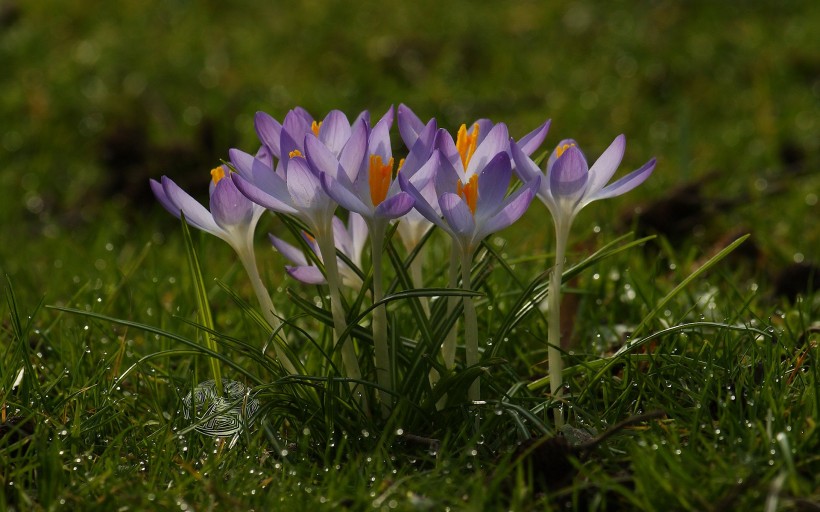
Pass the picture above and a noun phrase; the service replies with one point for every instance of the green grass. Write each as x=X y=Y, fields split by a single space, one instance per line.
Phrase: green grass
x=97 y=100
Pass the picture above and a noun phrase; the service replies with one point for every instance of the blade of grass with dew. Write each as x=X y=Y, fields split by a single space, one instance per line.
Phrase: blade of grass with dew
x=202 y=303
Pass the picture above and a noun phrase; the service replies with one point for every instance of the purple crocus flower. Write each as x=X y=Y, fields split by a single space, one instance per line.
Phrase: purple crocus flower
x=350 y=241
x=233 y=218
x=295 y=187
x=368 y=190
x=471 y=187
x=570 y=185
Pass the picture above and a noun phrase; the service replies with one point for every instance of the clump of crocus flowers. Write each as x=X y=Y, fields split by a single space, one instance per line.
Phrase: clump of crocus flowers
x=343 y=185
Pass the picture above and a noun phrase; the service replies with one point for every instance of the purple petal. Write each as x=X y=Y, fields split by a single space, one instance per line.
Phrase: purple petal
x=354 y=151
x=516 y=205
x=493 y=183
x=603 y=168
x=257 y=172
x=269 y=132
x=281 y=203
x=497 y=141
x=320 y=158
x=410 y=126
x=229 y=207
x=304 y=187
x=447 y=147
x=568 y=176
x=344 y=196
x=485 y=126
x=162 y=197
x=421 y=204
x=395 y=206
x=290 y=252
x=531 y=141
x=358 y=234
x=308 y=274
x=553 y=156
x=457 y=214
x=379 y=143
x=626 y=183
x=335 y=131
x=195 y=213
x=420 y=152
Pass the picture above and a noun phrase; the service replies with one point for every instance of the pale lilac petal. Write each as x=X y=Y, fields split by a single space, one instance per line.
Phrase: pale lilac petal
x=269 y=132
x=553 y=156
x=493 y=183
x=341 y=236
x=304 y=187
x=410 y=126
x=447 y=177
x=290 y=252
x=162 y=197
x=292 y=136
x=603 y=168
x=335 y=131
x=395 y=206
x=421 y=204
x=379 y=143
x=531 y=141
x=309 y=274
x=281 y=202
x=497 y=141
x=320 y=158
x=447 y=147
x=257 y=172
x=568 y=177
x=626 y=183
x=196 y=214
x=421 y=151
x=516 y=205
x=353 y=154
x=344 y=196
x=358 y=235
x=229 y=207
x=457 y=214
x=485 y=126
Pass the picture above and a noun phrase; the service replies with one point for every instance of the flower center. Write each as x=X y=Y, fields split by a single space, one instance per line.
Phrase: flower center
x=314 y=127
x=466 y=143
x=379 y=175
x=296 y=154
x=559 y=150
x=217 y=173
x=469 y=192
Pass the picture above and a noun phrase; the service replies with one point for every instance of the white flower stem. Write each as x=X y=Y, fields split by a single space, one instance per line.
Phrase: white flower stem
x=470 y=325
x=382 y=353
x=327 y=246
x=416 y=267
x=448 y=348
x=556 y=363
x=248 y=259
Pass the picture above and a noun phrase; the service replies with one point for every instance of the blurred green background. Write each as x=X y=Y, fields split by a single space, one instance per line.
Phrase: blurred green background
x=96 y=97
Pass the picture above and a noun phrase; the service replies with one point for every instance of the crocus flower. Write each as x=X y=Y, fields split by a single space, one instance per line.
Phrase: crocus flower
x=471 y=185
x=570 y=185
x=295 y=189
x=233 y=218
x=349 y=241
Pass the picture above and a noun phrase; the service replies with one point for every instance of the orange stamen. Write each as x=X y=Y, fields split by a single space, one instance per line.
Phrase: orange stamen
x=314 y=127
x=560 y=149
x=217 y=173
x=469 y=192
x=379 y=175
x=466 y=143
x=295 y=154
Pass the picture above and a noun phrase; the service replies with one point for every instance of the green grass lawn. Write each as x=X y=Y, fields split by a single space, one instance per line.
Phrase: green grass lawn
x=96 y=98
